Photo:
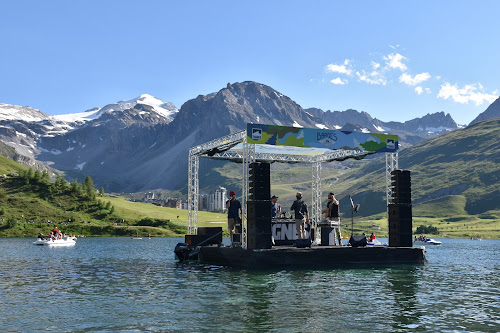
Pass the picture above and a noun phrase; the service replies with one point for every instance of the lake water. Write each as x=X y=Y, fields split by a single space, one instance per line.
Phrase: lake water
x=126 y=285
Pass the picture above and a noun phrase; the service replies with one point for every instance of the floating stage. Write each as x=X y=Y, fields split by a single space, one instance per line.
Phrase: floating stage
x=313 y=257
x=263 y=238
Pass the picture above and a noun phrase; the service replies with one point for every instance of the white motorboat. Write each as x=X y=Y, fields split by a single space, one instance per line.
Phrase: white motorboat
x=427 y=241
x=375 y=242
x=64 y=241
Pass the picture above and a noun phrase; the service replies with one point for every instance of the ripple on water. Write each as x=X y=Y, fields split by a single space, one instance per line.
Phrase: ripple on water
x=105 y=285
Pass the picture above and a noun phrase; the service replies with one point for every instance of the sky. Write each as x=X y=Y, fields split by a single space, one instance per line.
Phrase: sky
x=396 y=60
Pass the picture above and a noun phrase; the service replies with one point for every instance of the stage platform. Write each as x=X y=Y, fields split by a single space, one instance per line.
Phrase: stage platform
x=314 y=257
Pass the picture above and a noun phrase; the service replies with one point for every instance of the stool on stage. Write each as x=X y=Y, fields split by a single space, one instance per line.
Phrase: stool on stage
x=330 y=232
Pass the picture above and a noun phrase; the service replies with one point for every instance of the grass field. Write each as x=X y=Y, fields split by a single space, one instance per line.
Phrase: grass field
x=137 y=210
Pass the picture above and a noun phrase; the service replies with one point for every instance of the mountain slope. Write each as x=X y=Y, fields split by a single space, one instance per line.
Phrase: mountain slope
x=493 y=111
x=463 y=162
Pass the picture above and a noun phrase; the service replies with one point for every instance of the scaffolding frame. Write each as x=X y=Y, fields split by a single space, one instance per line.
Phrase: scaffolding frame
x=222 y=149
x=391 y=163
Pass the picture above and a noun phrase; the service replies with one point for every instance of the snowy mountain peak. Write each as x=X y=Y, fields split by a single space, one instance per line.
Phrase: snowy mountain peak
x=26 y=113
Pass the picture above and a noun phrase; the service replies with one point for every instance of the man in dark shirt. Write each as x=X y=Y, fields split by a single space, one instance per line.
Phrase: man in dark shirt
x=332 y=214
x=301 y=214
x=234 y=211
x=332 y=207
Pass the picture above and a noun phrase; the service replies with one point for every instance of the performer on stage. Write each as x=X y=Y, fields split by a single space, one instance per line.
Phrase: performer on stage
x=276 y=207
x=301 y=214
x=234 y=211
x=332 y=214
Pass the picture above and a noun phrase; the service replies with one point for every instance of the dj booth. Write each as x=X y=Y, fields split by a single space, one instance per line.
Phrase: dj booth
x=284 y=232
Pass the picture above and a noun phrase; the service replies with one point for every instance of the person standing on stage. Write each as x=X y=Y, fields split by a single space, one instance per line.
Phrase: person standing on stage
x=234 y=211
x=332 y=208
x=332 y=214
x=301 y=214
x=275 y=207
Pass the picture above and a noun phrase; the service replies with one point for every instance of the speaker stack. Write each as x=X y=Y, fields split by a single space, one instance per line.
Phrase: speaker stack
x=259 y=207
x=400 y=210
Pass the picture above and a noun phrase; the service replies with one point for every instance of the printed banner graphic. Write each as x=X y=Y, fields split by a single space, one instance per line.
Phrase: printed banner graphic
x=320 y=138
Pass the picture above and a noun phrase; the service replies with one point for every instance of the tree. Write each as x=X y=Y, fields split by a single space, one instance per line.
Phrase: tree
x=45 y=177
x=88 y=188
x=37 y=175
x=75 y=187
x=112 y=210
x=101 y=191
x=31 y=173
x=108 y=205
x=2 y=211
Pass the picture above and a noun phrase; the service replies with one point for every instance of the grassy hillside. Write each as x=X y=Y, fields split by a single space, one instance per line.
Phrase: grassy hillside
x=30 y=203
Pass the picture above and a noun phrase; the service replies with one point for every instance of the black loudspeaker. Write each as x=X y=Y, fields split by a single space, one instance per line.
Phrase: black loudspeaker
x=259 y=209
x=259 y=241
x=259 y=181
x=401 y=186
x=356 y=241
x=259 y=226
x=400 y=225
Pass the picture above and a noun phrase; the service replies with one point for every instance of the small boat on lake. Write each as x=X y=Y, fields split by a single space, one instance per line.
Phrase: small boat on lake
x=426 y=241
x=63 y=241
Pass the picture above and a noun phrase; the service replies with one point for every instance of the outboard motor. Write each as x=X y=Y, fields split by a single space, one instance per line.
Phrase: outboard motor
x=182 y=251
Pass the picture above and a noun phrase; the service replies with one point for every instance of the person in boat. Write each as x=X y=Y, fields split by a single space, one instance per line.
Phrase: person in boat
x=301 y=215
x=234 y=212
x=56 y=232
x=275 y=207
x=372 y=237
x=40 y=236
x=332 y=213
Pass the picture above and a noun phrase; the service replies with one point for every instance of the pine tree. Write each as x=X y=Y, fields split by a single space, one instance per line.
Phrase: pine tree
x=37 y=176
x=88 y=187
x=75 y=187
x=31 y=173
x=45 y=177
x=112 y=210
x=101 y=191
x=108 y=206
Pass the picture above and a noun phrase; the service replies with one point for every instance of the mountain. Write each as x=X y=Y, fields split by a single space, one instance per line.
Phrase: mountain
x=464 y=163
x=142 y=143
x=493 y=111
x=410 y=132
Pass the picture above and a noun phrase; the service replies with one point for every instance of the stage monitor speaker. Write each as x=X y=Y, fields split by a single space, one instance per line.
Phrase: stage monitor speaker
x=356 y=241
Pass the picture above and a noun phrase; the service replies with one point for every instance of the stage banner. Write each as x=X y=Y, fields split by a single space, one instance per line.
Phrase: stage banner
x=320 y=138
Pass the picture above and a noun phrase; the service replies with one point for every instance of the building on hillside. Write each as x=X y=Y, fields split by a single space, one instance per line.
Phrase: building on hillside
x=217 y=200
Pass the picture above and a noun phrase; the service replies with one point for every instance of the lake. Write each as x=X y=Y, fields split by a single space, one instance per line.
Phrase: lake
x=126 y=285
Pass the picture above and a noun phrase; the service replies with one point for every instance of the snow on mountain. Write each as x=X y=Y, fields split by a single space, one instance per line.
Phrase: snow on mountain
x=79 y=117
x=15 y=112
x=166 y=110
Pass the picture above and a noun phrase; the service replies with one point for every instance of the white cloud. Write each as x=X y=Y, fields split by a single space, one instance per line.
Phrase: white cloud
x=345 y=68
x=374 y=77
x=395 y=60
x=438 y=77
x=469 y=93
x=419 y=90
x=375 y=65
x=428 y=90
x=413 y=81
x=338 y=81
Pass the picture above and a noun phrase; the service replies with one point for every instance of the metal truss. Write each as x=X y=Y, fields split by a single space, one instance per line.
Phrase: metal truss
x=391 y=163
x=316 y=199
x=193 y=193
x=219 y=145
x=337 y=155
x=248 y=157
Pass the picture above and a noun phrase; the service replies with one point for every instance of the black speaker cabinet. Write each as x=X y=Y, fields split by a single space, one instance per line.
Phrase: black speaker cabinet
x=356 y=241
x=259 y=241
x=259 y=209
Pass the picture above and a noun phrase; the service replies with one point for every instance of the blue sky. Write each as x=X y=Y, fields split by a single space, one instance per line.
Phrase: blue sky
x=394 y=59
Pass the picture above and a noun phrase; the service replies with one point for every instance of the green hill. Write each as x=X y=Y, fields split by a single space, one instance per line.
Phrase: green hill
x=31 y=203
